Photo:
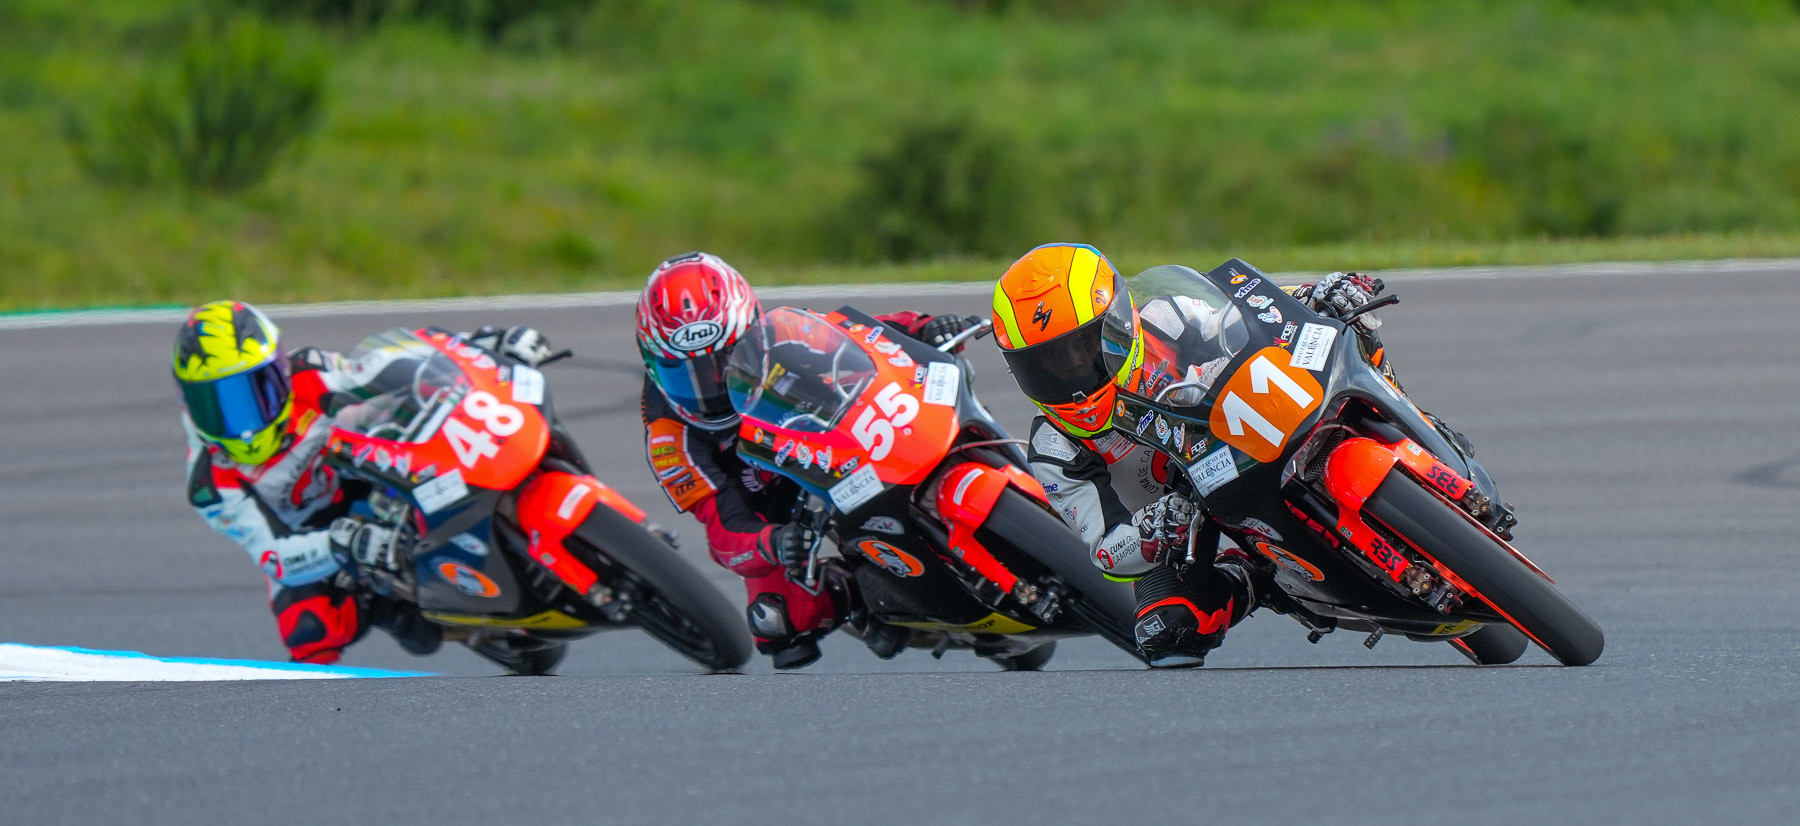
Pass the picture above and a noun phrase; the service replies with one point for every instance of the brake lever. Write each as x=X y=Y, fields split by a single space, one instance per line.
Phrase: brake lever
x=1387 y=301
x=556 y=356
x=972 y=332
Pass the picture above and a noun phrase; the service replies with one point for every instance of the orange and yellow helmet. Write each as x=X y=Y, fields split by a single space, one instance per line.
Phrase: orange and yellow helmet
x=1068 y=331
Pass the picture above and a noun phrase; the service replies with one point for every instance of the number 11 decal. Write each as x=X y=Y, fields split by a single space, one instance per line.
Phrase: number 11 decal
x=1263 y=403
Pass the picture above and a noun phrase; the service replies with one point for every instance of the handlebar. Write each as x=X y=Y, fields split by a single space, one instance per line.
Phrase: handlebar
x=974 y=331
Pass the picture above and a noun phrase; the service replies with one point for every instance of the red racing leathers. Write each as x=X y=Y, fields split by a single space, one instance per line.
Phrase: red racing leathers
x=278 y=513
x=739 y=505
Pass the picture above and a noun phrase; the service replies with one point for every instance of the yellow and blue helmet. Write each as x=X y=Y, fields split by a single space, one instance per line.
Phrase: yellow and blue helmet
x=234 y=380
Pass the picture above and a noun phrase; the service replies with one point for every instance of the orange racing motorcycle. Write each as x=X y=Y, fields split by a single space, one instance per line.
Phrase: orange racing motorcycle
x=939 y=525
x=506 y=539
x=1369 y=514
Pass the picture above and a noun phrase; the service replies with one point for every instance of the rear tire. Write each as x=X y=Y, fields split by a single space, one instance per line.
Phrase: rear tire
x=1534 y=604
x=1107 y=607
x=676 y=604
x=1495 y=644
x=1033 y=660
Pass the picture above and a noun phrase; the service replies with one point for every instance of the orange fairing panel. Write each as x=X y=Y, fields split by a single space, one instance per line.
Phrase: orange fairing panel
x=551 y=507
x=1352 y=473
x=965 y=498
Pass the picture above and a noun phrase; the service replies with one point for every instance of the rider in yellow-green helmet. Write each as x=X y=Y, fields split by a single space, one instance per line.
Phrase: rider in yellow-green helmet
x=229 y=364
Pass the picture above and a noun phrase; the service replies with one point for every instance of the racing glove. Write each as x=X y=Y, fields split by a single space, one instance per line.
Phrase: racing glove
x=1163 y=528
x=945 y=327
x=788 y=545
x=522 y=344
x=1339 y=293
x=371 y=545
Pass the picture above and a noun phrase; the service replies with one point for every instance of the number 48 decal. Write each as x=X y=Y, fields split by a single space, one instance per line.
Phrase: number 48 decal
x=1263 y=403
x=499 y=418
x=876 y=435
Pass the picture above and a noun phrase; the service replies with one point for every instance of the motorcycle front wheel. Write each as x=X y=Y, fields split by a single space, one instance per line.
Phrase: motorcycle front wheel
x=1107 y=607
x=674 y=603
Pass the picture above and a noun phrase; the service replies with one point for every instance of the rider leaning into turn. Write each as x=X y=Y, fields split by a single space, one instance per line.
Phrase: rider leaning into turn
x=257 y=421
x=1070 y=336
x=694 y=308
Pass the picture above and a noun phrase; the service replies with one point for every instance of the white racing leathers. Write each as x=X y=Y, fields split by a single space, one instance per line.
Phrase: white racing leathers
x=1096 y=485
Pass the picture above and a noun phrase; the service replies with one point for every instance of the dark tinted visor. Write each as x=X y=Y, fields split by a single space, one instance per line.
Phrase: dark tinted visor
x=695 y=385
x=238 y=405
x=1054 y=371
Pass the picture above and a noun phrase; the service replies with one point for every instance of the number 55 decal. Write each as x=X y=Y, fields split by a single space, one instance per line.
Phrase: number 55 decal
x=1263 y=402
x=877 y=435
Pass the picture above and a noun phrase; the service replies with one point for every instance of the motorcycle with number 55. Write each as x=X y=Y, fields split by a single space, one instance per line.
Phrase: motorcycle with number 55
x=1368 y=513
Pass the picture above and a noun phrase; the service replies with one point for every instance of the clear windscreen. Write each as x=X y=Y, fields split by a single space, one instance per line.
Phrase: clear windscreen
x=795 y=370
x=409 y=387
x=1191 y=332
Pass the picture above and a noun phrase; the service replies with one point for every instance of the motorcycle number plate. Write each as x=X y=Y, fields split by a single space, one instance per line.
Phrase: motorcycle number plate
x=1263 y=403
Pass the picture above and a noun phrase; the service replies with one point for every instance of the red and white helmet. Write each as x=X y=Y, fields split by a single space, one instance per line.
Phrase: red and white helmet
x=693 y=309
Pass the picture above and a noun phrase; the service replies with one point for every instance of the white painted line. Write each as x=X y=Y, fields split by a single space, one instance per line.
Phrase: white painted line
x=33 y=663
x=780 y=295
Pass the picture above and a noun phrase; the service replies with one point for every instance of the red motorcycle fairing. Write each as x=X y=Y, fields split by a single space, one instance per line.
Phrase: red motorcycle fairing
x=551 y=506
x=965 y=496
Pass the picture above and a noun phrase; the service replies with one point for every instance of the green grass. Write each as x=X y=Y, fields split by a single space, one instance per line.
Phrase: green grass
x=1305 y=134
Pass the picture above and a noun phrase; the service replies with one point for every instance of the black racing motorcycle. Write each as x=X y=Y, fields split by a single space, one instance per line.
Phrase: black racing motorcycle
x=1368 y=514
x=939 y=525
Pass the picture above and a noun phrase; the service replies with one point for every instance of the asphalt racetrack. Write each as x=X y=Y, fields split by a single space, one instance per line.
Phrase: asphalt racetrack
x=1646 y=426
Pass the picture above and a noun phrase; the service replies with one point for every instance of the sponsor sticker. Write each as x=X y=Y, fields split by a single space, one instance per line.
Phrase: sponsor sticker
x=1291 y=563
x=1273 y=316
x=884 y=524
x=441 y=492
x=896 y=561
x=1259 y=301
x=697 y=335
x=527 y=385
x=1313 y=348
x=901 y=360
x=1214 y=471
x=856 y=489
x=781 y=456
x=941 y=381
x=1144 y=423
x=1245 y=290
x=1287 y=335
x=804 y=453
x=823 y=455
x=1180 y=435
x=1238 y=277
x=1162 y=429
x=469 y=542
x=1260 y=528
x=468 y=580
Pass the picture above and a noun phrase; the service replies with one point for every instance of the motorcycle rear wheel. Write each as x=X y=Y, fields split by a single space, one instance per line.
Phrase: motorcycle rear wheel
x=676 y=605
x=1107 y=607
x=1529 y=600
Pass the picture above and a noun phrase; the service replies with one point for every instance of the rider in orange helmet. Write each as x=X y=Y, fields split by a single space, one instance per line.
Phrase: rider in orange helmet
x=1069 y=333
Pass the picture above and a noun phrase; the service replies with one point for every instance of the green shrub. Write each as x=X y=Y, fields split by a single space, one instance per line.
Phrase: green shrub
x=942 y=188
x=237 y=101
x=493 y=20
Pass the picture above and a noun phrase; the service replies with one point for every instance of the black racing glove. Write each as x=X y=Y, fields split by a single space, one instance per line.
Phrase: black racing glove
x=788 y=545
x=1163 y=528
x=369 y=544
x=1340 y=293
x=945 y=327
x=525 y=345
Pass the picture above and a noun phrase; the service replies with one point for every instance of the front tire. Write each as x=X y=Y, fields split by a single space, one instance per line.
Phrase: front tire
x=1501 y=580
x=534 y=660
x=1495 y=644
x=1105 y=606
x=675 y=604
x=1033 y=660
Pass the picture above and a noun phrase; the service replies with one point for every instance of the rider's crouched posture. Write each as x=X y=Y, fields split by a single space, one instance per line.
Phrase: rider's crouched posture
x=694 y=308
x=1070 y=335
x=257 y=422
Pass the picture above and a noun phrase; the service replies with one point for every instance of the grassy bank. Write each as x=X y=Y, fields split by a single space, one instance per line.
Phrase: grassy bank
x=818 y=140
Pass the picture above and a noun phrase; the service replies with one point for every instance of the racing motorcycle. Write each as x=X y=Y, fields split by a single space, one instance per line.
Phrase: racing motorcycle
x=1369 y=514
x=939 y=525
x=505 y=537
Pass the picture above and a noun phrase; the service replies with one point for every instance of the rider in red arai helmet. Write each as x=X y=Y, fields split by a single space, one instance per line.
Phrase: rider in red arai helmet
x=693 y=310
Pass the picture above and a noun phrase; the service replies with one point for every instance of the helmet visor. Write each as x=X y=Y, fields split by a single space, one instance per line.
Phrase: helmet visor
x=1056 y=371
x=695 y=385
x=239 y=405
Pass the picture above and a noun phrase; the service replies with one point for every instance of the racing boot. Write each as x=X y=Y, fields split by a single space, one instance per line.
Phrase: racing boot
x=768 y=616
x=884 y=640
x=1182 y=614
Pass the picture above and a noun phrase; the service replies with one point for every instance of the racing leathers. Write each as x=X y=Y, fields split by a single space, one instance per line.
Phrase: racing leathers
x=745 y=511
x=279 y=512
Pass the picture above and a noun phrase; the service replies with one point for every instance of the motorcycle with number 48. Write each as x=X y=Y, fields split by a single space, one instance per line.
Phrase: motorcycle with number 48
x=939 y=524
x=1368 y=513
x=505 y=538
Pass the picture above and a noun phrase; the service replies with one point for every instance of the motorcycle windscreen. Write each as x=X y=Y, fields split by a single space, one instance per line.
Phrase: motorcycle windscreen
x=1191 y=331
x=410 y=388
x=796 y=371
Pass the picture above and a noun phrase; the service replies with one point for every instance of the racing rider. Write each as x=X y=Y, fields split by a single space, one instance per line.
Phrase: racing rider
x=257 y=421
x=694 y=308
x=1070 y=336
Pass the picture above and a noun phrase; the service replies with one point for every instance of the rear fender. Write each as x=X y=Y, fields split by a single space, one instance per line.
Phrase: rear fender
x=551 y=507
x=966 y=497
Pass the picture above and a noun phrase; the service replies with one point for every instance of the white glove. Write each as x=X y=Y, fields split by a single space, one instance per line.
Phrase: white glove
x=1163 y=527
x=1339 y=293
x=525 y=344
x=369 y=544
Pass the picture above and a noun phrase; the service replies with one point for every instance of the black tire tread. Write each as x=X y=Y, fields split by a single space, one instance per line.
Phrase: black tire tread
x=1110 y=607
x=1564 y=630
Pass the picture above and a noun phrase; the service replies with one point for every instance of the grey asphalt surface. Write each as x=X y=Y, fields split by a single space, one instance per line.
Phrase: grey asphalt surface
x=1645 y=426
